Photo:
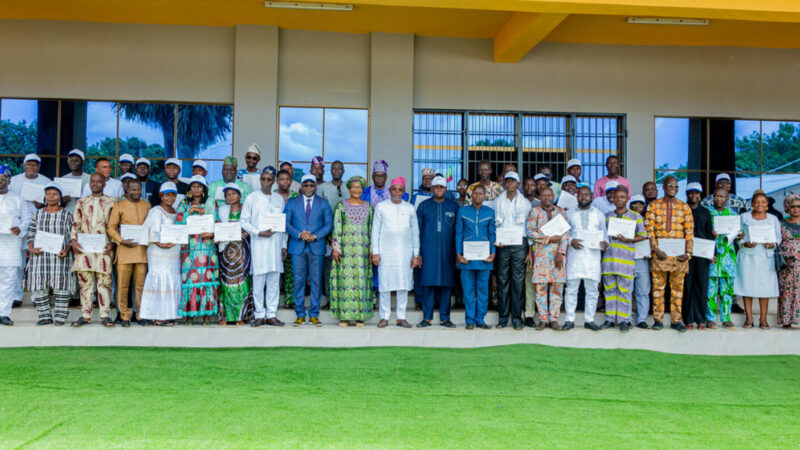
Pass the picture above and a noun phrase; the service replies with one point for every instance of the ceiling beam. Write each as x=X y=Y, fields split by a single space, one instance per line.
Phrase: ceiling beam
x=521 y=33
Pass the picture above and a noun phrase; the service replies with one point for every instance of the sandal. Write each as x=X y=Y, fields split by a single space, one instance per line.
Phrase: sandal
x=223 y=323
x=763 y=325
x=344 y=323
x=81 y=322
x=44 y=322
x=701 y=326
x=748 y=325
x=360 y=324
x=787 y=327
x=690 y=326
x=107 y=322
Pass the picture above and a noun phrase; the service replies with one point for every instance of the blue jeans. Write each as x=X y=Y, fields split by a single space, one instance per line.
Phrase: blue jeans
x=475 y=281
x=432 y=295
x=641 y=289
x=307 y=266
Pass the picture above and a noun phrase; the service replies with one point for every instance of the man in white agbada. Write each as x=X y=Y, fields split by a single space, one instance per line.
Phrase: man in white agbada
x=14 y=214
x=268 y=250
x=583 y=263
x=395 y=250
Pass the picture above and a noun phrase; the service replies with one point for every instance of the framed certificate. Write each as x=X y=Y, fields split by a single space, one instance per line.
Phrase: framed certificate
x=227 y=232
x=727 y=225
x=48 y=242
x=272 y=221
x=71 y=186
x=476 y=250
x=92 y=243
x=508 y=236
x=704 y=248
x=624 y=227
x=173 y=234
x=32 y=192
x=198 y=224
x=137 y=233
x=672 y=247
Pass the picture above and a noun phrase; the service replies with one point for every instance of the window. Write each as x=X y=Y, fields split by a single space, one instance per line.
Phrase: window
x=156 y=131
x=334 y=133
x=455 y=142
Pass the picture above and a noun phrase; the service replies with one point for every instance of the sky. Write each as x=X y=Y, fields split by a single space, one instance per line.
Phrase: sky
x=345 y=134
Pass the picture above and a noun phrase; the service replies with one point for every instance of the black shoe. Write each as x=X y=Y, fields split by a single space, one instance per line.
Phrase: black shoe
x=658 y=325
x=470 y=326
x=418 y=307
x=258 y=322
x=642 y=325
x=447 y=324
x=735 y=308
x=568 y=326
x=126 y=323
x=501 y=325
x=483 y=326
x=274 y=322
x=607 y=324
x=118 y=320
x=624 y=327
x=678 y=326
x=145 y=322
x=529 y=322
x=16 y=304
x=518 y=325
x=591 y=326
x=423 y=324
x=6 y=321
x=59 y=323
x=107 y=322
x=44 y=322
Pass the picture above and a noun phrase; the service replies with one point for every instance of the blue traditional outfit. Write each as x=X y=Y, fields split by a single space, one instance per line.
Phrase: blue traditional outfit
x=437 y=248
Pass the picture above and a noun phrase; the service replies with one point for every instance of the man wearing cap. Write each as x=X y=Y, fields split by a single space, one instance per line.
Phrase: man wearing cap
x=424 y=191
x=612 y=166
x=126 y=163
x=395 y=251
x=542 y=182
x=91 y=216
x=309 y=220
x=735 y=203
x=437 y=221
x=199 y=167
x=75 y=160
x=149 y=187
x=318 y=169
x=113 y=187
x=695 y=290
x=378 y=192
x=511 y=213
x=569 y=187
x=493 y=189
x=131 y=257
x=268 y=250
x=574 y=168
x=125 y=180
x=216 y=197
x=641 y=272
x=14 y=210
x=172 y=168
x=251 y=160
x=554 y=186
x=605 y=204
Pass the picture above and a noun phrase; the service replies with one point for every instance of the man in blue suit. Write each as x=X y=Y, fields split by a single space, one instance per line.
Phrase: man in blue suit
x=308 y=221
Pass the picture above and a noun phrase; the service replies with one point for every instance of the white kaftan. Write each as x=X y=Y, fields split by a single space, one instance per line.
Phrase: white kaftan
x=395 y=237
x=755 y=267
x=11 y=261
x=584 y=263
x=265 y=251
x=162 y=286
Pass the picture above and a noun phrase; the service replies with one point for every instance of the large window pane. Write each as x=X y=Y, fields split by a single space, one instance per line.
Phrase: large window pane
x=544 y=143
x=437 y=144
x=147 y=129
x=672 y=143
x=90 y=127
x=346 y=135
x=780 y=146
x=28 y=126
x=300 y=133
x=596 y=138
x=205 y=131
x=747 y=135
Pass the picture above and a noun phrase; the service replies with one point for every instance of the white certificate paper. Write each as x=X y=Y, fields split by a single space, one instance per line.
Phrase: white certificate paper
x=761 y=234
x=71 y=186
x=271 y=221
x=32 y=192
x=476 y=250
x=227 y=232
x=727 y=225
x=48 y=242
x=92 y=243
x=138 y=233
x=625 y=227
x=590 y=238
x=253 y=179
x=642 y=249
x=672 y=247
x=178 y=199
x=508 y=236
x=198 y=224
x=555 y=227
x=173 y=234
x=704 y=248
x=220 y=195
x=567 y=201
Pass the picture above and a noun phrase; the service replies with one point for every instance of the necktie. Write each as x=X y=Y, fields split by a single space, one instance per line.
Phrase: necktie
x=308 y=208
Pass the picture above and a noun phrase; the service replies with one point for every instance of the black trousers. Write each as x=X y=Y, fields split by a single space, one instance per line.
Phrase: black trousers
x=510 y=266
x=695 y=291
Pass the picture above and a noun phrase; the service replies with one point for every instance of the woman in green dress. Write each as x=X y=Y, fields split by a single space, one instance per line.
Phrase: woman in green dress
x=236 y=284
x=351 y=270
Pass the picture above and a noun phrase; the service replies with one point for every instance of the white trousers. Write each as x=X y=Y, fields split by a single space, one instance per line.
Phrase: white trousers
x=571 y=298
x=17 y=293
x=386 y=304
x=9 y=287
x=266 y=305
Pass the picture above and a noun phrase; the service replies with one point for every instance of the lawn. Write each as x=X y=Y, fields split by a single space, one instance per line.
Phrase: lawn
x=515 y=396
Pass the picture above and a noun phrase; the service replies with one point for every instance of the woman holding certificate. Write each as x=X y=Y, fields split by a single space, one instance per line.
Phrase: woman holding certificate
x=51 y=260
x=756 y=275
x=199 y=267
x=162 y=286
x=236 y=284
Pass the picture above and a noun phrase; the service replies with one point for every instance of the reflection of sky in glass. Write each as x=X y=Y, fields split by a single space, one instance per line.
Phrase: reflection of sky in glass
x=544 y=132
x=101 y=122
x=346 y=135
x=300 y=133
x=148 y=134
x=672 y=142
x=492 y=129
x=18 y=110
x=350 y=170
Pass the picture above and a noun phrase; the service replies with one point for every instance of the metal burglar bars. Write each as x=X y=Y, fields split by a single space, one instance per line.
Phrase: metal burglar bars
x=454 y=142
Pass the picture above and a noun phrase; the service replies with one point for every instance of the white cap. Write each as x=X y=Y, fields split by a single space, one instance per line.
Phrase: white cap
x=168 y=186
x=173 y=161
x=723 y=176
x=611 y=185
x=126 y=176
x=285 y=162
x=200 y=163
x=233 y=186
x=32 y=157
x=54 y=186
x=637 y=198
x=540 y=176
x=308 y=177
x=568 y=179
x=198 y=179
x=254 y=149
x=512 y=174
x=694 y=186
x=126 y=157
x=574 y=162
x=439 y=181
x=143 y=161
x=76 y=152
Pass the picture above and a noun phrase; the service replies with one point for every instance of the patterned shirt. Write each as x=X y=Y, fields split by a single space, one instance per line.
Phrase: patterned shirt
x=725 y=267
x=91 y=217
x=544 y=265
x=492 y=191
x=619 y=258
x=669 y=220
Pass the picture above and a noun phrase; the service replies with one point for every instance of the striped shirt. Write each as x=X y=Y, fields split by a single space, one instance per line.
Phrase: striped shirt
x=619 y=258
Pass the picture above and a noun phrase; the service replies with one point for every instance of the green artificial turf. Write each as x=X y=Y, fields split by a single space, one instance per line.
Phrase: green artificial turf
x=515 y=396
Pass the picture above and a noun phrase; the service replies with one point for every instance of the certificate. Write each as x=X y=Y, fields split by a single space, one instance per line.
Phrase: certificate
x=253 y=179
x=92 y=243
x=642 y=249
x=508 y=236
x=761 y=234
x=591 y=238
x=173 y=234
x=272 y=221
x=32 y=192
x=138 y=233
x=625 y=227
x=567 y=201
x=555 y=227
x=178 y=199
x=48 y=242
x=672 y=247
x=220 y=194
x=198 y=224
x=704 y=248
x=476 y=250
x=227 y=232
x=727 y=225
x=70 y=186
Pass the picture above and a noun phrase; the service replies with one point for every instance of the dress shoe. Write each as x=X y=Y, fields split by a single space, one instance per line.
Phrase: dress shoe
x=418 y=307
x=315 y=321
x=591 y=326
x=483 y=326
x=118 y=319
x=624 y=327
x=16 y=303
x=607 y=324
x=529 y=322
x=518 y=325
x=568 y=326
x=383 y=323
x=300 y=321
x=642 y=325
x=145 y=322
x=274 y=322
x=447 y=324
x=5 y=320
x=470 y=326
x=541 y=325
x=501 y=325
x=554 y=325
x=424 y=323
x=404 y=323
x=658 y=325
x=258 y=322
x=678 y=326
x=126 y=323
x=735 y=308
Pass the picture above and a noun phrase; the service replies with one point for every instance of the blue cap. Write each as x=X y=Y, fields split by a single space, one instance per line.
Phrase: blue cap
x=168 y=187
x=695 y=186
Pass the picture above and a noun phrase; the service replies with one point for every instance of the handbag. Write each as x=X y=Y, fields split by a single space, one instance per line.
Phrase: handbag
x=780 y=261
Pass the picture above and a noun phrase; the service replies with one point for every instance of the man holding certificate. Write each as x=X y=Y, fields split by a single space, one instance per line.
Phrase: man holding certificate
x=92 y=265
x=587 y=240
x=131 y=255
x=723 y=268
x=76 y=177
x=695 y=291
x=15 y=218
x=669 y=219
x=475 y=224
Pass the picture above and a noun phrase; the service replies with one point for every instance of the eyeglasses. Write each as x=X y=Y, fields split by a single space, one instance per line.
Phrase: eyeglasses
x=794 y=206
x=672 y=186
x=252 y=157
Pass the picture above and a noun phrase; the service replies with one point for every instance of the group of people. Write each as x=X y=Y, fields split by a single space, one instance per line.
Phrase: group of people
x=533 y=241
